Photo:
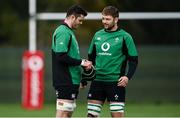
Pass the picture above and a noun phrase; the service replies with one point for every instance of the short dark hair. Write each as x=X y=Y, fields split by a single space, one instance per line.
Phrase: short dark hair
x=111 y=10
x=76 y=10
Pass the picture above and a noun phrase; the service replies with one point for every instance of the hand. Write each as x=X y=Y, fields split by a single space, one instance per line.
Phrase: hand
x=123 y=81
x=83 y=84
x=86 y=64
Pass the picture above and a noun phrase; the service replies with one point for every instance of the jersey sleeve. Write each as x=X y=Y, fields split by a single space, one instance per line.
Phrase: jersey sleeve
x=132 y=51
x=60 y=48
x=61 y=41
x=91 y=46
x=132 y=56
x=92 y=52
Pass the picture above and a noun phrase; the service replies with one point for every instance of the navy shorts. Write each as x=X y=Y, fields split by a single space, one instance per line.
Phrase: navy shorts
x=106 y=90
x=67 y=92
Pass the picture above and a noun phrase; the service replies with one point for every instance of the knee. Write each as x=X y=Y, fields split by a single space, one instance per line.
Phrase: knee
x=91 y=115
x=117 y=107
x=93 y=110
x=65 y=106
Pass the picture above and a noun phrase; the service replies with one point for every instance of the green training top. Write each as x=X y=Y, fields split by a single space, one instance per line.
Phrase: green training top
x=112 y=49
x=65 y=57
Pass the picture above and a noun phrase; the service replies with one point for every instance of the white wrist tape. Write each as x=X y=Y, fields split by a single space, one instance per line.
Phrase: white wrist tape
x=82 y=62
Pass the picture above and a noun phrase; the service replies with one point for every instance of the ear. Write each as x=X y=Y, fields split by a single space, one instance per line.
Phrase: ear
x=73 y=17
x=116 y=20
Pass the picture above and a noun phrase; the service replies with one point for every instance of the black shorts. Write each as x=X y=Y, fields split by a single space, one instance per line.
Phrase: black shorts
x=106 y=90
x=67 y=92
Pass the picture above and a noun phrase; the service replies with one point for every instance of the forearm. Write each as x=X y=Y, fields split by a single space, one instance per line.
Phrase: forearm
x=92 y=55
x=64 y=58
x=132 y=63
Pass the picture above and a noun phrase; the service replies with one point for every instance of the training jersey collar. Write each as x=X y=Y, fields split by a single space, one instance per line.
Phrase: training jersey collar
x=112 y=31
x=66 y=25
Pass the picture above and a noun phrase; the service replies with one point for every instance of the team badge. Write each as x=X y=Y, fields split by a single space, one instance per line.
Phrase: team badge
x=116 y=97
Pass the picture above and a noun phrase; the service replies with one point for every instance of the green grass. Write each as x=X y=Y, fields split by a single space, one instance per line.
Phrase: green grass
x=132 y=110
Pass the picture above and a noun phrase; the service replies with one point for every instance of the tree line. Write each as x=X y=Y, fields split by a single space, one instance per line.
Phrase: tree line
x=14 y=21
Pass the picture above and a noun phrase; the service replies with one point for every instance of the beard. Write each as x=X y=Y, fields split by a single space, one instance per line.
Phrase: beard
x=110 y=27
x=75 y=26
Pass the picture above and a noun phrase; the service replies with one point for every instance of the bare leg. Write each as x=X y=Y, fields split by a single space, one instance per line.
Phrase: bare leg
x=62 y=113
x=117 y=109
x=117 y=114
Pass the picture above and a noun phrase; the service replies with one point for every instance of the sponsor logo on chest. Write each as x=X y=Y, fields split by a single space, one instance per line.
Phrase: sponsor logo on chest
x=105 y=46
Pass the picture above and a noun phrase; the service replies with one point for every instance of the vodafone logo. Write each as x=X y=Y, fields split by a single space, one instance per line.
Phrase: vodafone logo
x=35 y=63
x=105 y=46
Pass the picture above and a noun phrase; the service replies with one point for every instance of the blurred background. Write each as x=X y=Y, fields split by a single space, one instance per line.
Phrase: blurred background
x=157 y=79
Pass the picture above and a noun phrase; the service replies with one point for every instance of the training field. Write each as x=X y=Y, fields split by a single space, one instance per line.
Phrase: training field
x=154 y=91
x=132 y=110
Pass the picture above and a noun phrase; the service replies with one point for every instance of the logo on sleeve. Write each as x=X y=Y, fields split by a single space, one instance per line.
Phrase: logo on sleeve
x=98 y=38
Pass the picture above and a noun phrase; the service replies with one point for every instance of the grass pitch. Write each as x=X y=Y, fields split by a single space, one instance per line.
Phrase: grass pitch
x=131 y=110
